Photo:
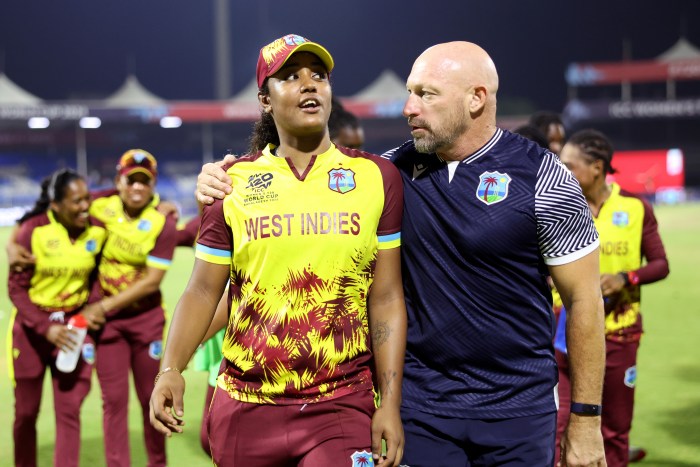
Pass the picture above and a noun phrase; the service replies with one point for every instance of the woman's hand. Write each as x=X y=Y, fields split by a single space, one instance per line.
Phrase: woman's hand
x=94 y=314
x=60 y=336
x=166 y=405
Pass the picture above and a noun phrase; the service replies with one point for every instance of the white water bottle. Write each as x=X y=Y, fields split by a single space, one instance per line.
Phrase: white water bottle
x=67 y=360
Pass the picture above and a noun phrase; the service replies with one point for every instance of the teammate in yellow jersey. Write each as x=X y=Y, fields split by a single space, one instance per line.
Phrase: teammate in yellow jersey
x=631 y=254
x=309 y=240
x=65 y=243
x=138 y=252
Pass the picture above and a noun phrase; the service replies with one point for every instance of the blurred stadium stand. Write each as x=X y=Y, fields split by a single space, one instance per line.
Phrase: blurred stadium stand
x=652 y=104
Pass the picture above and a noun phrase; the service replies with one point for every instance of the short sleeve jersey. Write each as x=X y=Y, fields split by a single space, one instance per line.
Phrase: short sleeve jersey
x=132 y=246
x=302 y=250
x=628 y=230
x=60 y=279
x=478 y=235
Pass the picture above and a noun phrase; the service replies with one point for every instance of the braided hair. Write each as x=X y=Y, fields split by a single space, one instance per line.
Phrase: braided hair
x=596 y=145
x=53 y=188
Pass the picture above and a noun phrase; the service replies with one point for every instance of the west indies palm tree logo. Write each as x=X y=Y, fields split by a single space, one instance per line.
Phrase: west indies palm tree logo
x=362 y=459
x=341 y=180
x=493 y=187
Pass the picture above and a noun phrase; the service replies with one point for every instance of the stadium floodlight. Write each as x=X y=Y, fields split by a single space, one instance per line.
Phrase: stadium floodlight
x=38 y=123
x=90 y=122
x=170 y=121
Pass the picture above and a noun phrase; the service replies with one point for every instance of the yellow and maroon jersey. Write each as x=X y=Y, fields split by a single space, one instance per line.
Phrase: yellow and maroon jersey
x=132 y=246
x=59 y=281
x=302 y=250
x=628 y=234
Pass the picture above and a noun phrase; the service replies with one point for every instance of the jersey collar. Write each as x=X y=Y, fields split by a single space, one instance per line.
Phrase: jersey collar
x=485 y=148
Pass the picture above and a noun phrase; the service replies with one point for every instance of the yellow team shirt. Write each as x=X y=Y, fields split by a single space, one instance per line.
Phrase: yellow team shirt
x=132 y=246
x=63 y=264
x=620 y=224
x=302 y=250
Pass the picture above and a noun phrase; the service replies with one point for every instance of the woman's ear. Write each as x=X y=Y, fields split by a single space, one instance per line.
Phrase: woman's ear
x=264 y=100
x=599 y=167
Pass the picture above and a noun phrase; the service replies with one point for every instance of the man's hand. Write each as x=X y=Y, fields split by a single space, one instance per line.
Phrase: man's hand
x=582 y=443
x=18 y=257
x=386 y=425
x=166 y=405
x=213 y=182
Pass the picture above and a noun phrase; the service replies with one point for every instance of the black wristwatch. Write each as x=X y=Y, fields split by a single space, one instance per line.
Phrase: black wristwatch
x=586 y=409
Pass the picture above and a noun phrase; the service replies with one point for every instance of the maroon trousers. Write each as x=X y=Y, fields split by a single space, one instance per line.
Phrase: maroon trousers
x=329 y=433
x=133 y=342
x=204 y=430
x=618 y=399
x=32 y=355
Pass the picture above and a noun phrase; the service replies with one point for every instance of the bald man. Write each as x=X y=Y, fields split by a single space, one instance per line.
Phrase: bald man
x=487 y=216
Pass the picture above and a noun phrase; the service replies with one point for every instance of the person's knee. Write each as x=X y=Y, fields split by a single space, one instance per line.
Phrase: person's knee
x=26 y=415
x=26 y=405
x=115 y=400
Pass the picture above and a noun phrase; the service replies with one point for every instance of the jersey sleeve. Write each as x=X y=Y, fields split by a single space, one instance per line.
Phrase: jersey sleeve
x=389 y=228
x=96 y=222
x=106 y=193
x=161 y=256
x=187 y=235
x=18 y=284
x=565 y=227
x=653 y=249
x=215 y=242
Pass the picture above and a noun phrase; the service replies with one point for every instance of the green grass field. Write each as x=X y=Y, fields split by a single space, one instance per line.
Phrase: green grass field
x=667 y=417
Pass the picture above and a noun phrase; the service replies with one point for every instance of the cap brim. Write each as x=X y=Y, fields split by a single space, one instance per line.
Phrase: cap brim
x=133 y=170
x=314 y=48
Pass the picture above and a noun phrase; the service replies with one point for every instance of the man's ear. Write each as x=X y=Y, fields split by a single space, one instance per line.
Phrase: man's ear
x=478 y=100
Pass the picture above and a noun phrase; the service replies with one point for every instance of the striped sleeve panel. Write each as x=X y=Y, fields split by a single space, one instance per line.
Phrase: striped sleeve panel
x=564 y=224
x=212 y=255
x=158 y=263
x=387 y=242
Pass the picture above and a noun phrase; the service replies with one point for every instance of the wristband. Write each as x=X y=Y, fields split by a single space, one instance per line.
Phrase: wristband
x=632 y=278
x=165 y=370
x=586 y=409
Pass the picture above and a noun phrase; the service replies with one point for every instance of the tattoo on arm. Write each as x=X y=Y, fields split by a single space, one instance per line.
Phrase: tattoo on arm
x=380 y=333
x=388 y=377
